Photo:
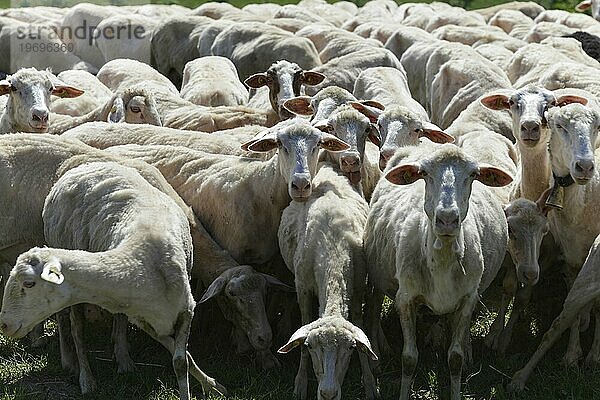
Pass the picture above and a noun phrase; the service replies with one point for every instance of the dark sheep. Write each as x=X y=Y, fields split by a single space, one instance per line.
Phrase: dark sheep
x=590 y=43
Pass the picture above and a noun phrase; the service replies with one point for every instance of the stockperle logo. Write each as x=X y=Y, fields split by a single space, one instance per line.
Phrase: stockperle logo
x=67 y=34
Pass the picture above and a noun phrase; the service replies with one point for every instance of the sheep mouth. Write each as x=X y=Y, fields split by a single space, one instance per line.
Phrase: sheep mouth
x=39 y=128
x=530 y=142
x=354 y=177
x=582 y=180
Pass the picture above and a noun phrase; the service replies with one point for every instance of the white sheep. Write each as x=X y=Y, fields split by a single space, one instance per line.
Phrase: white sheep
x=212 y=81
x=147 y=232
x=213 y=184
x=321 y=243
x=425 y=245
x=573 y=156
x=95 y=93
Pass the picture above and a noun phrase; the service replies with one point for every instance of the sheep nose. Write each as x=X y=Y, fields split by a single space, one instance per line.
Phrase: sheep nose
x=39 y=115
x=301 y=182
x=384 y=156
x=530 y=277
x=530 y=130
x=350 y=162
x=328 y=394
x=447 y=220
x=584 y=166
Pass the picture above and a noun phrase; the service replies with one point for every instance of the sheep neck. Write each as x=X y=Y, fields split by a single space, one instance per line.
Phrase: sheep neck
x=535 y=170
x=60 y=123
x=333 y=295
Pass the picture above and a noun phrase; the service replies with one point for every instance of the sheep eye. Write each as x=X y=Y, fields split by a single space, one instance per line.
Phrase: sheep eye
x=28 y=284
x=13 y=88
x=511 y=102
x=135 y=109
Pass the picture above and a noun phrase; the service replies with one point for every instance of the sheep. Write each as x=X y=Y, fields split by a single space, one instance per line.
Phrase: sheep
x=528 y=63
x=253 y=47
x=102 y=135
x=158 y=257
x=443 y=268
x=174 y=43
x=589 y=43
x=499 y=55
x=284 y=80
x=22 y=214
x=457 y=84
x=386 y=86
x=455 y=16
x=345 y=43
x=543 y=30
x=572 y=20
x=573 y=155
x=85 y=15
x=377 y=30
x=29 y=93
x=572 y=48
x=400 y=126
x=356 y=163
x=125 y=36
x=321 y=105
x=272 y=184
x=331 y=222
x=212 y=81
x=287 y=24
x=95 y=93
x=587 y=4
x=207 y=35
x=343 y=71
x=473 y=36
x=404 y=37
x=17 y=40
x=529 y=8
x=570 y=75
x=513 y=22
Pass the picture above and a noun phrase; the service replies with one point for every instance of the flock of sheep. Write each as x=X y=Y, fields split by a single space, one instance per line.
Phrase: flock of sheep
x=415 y=151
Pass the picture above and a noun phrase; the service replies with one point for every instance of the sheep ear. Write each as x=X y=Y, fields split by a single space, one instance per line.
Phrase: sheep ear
x=256 y=81
x=65 y=91
x=324 y=126
x=435 y=133
x=312 y=78
x=372 y=113
x=496 y=102
x=52 y=272
x=214 y=289
x=541 y=202
x=568 y=99
x=405 y=174
x=373 y=104
x=296 y=340
x=266 y=143
x=332 y=143
x=299 y=105
x=117 y=112
x=277 y=284
x=584 y=5
x=363 y=344
x=4 y=87
x=492 y=176
x=374 y=136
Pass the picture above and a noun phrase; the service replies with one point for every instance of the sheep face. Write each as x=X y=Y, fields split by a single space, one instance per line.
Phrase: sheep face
x=298 y=143
x=448 y=174
x=243 y=292
x=284 y=80
x=330 y=342
x=527 y=108
x=29 y=93
x=527 y=226
x=593 y=4
x=574 y=130
x=398 y=127
x=353 y=128
x=34 y=291
x=135 y=107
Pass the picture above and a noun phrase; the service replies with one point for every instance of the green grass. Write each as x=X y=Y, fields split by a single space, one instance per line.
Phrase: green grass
x=34 y=373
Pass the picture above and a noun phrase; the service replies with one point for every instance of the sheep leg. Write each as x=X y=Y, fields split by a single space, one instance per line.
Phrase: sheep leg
x=410 y=353
x=368 y=380
x=522 y=298
x=180 y=360
x=574 y=352
x=208 y=384
x=87 y=383
x=121 y=347
x=456 y=356
x=593 y=356
x=583 y=292
x=509 y=286
x=68 y=358
x=301 y=381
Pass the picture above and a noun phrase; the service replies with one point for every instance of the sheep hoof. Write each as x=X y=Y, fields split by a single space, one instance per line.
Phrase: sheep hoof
x=87 y=384
x=571 y=359
x=125 y=364
x=517 y=384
